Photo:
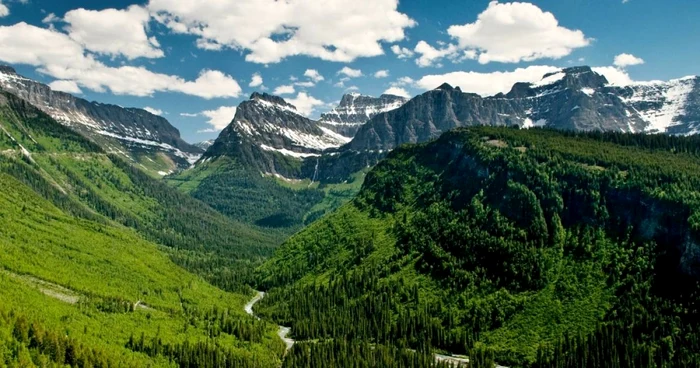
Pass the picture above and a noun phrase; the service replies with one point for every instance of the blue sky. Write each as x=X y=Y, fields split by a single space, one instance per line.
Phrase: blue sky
x=194 y=62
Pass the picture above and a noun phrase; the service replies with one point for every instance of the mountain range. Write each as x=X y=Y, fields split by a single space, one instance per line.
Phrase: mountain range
x=147 y=140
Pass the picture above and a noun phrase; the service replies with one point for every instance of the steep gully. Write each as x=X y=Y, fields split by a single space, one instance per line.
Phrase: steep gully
x=283 y=332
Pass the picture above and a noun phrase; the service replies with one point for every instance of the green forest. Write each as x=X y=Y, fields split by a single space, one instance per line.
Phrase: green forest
x=529 y=248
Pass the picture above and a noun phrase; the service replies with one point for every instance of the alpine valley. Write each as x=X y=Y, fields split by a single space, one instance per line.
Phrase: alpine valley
x=556 y=225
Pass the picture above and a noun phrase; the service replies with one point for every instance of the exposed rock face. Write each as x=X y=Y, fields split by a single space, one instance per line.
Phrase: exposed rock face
x=671 y=107
x=354 y=110
x=269 y=135
x=572 y=99
x=128 y=131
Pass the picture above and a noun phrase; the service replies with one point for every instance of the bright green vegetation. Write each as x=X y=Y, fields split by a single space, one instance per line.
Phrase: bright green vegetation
x=89 y=254
x=83 y=180
x=249 y=197
x=532 y=247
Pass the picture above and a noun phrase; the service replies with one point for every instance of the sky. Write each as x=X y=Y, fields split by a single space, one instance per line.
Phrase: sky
x=194 y=61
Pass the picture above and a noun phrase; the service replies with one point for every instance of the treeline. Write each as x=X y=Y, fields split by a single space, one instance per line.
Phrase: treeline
x=31 y=344
x=357 y=354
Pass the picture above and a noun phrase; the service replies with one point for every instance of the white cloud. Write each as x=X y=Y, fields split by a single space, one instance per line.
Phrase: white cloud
x=625 y=60
x=486 y=84
x=304 y=103
x=57 y=55
x=271 y=30
x=256 y=80
x=307 y=84
x=507 y=33
x=219 y=118
x=66 y=86
x=188 y=115
x=113 y=32
x=51 y=18
x=403 y=81
x=615 y=76
x=352 y=88
x=381 y=74
x=429 y=55
x=4 y=11
x=401 y=52
x=350 y=73
x=153 y=110
x=314 y=75
x=397 y=91
x=284 y=90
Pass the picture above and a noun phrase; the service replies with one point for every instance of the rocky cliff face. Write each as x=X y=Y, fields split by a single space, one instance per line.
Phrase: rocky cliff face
x=354 y=110
x=134 y=133
x=572 y=99
x=671 y=107
x=267 y=134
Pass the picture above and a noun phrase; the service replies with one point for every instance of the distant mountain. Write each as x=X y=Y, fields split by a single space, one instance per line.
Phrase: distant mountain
x=267 y=134
x=355 y=109
x=204 y=144
x=148 y=140
x=571 y=99
x=577 y=99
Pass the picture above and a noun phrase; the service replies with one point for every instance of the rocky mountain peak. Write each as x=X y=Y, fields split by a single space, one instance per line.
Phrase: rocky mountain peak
x=355 y=109
x=6 y=69
x=277 y=100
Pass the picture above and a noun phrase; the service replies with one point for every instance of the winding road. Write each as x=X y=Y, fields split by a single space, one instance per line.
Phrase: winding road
x=282 y=332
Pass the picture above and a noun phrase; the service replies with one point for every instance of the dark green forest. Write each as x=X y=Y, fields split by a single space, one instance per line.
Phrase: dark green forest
x=542 y=248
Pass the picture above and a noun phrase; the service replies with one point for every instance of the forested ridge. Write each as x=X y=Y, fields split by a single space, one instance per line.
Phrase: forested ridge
x=534 y=247
x=89 y=255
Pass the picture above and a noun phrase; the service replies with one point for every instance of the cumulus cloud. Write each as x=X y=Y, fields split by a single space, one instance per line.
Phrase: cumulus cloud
x=305 y=103
x=271 y=30
x=284 y=90
x=401 y=52
x=314 y=75
x=256 y=80
x=381 y=74
x=153 y=110
x=397 y=91
x=66 y=86
x=218 y=119
x=615 y=76
x=4 y=11
x=113 y=32
x=625 y=60
x=507 y=33
x=486 y=84
x=350 y=73
x=430 y=55
x=59 y=56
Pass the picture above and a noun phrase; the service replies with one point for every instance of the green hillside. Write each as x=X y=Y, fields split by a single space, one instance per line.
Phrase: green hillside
x=89 y=254
x=530 y=247
x=244 y=195
x=83 y=180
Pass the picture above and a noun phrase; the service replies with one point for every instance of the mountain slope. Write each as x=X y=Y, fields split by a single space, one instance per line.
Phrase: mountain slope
x=355 y=109
x=143 y=138
x=79 y=288
x=80 y=178
x=531 y=245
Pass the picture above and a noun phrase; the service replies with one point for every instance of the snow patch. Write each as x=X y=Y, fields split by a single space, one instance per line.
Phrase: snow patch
x=287 y=152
